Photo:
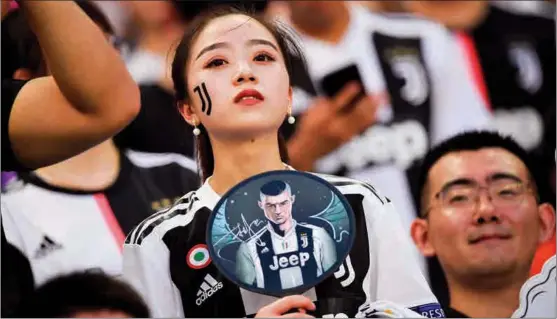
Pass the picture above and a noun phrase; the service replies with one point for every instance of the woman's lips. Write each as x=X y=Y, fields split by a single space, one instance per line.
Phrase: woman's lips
x=249 y=97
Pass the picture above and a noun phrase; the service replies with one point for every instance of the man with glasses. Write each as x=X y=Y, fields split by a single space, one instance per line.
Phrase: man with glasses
x=482 y=218
x=285 y=252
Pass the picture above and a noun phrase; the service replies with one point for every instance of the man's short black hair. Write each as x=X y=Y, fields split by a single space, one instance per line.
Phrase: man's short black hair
x=273 y=188
x=21 y=48
x=472 y=141
x=64 y=296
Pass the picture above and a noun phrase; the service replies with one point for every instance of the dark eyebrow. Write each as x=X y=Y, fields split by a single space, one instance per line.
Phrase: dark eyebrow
x=499 y=176
x=456 y=182
x=219 y=45
x=468 y=182
x=211 y=47
x=263 y=42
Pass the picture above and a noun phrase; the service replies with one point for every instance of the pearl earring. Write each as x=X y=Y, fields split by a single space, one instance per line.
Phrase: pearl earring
x=196 y=131
x=291 y=119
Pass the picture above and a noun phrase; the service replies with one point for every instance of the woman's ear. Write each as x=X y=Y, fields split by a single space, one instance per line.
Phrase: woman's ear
x=290 y=100
x=188 y=114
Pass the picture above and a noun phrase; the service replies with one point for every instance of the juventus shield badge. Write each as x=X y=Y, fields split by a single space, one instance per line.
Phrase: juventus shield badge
x=280 y=232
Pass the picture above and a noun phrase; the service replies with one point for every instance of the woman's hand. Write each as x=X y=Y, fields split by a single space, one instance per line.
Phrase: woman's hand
x=283 y=305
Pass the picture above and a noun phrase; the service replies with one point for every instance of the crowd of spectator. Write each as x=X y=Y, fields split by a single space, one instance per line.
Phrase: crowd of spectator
x=447 y=107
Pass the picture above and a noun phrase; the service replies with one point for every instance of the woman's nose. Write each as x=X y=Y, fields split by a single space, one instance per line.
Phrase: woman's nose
x=244 y=75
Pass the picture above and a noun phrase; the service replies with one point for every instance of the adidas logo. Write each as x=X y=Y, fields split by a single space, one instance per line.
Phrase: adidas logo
x=207 y=289
x=47 y=246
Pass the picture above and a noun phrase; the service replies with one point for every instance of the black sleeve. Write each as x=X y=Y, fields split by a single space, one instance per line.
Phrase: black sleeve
x=159 y=127
x=10 y=89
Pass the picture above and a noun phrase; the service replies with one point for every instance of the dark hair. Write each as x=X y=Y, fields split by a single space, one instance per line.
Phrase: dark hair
x=21 y=48
x=64 y=296
x=472 y=141
x=95 y=14
x=273 y=188
x=287 y=44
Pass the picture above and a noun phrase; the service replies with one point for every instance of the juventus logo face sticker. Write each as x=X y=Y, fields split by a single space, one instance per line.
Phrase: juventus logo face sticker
x=280 y=232
x=206 y=104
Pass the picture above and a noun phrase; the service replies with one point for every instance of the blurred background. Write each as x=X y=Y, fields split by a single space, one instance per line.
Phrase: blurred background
x=499 y=55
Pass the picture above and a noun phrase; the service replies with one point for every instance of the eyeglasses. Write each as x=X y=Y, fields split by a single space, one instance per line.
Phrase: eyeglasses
x=464 y=197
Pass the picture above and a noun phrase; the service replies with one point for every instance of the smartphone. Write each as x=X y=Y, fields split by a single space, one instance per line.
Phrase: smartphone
x=332 y=83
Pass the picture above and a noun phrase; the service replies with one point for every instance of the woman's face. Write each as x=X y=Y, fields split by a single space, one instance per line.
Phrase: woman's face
x=237 y=79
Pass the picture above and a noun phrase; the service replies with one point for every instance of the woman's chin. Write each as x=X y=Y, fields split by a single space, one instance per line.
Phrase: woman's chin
x=248 y=130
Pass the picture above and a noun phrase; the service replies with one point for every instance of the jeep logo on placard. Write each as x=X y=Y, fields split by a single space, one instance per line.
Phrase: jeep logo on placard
x=290 y=261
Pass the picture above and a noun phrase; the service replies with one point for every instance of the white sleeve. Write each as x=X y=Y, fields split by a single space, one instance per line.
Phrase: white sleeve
x=11 y=231
x=245 y=268
x=146 y=268
x=457 y=104
x=397 y=277
x=327 y=248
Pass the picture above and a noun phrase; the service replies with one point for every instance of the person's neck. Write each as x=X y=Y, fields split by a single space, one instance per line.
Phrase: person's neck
x=456 y=15
x=486 y=298
x=335 y=30
x=237 y=160
x=286 y=226
x=283 y=228
x=93 y=170
x=159 y=40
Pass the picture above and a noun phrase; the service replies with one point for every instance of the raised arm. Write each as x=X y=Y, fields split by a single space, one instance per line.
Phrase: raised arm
x=89 y=97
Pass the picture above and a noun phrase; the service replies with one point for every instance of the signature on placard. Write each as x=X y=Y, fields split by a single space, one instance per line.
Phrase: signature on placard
x=241 y=232
x=244 y=229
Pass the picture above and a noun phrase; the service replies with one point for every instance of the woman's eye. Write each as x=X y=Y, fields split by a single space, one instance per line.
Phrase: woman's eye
x=264 y=58
x=215 y=63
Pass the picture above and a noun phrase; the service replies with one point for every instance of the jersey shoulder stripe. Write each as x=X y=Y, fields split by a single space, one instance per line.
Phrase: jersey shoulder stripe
x=149 y=160
x=345 y=181
x=182 y=207
x=147 y=221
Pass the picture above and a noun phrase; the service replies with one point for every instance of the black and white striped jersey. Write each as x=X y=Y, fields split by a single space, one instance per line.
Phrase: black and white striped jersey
x=512 y=57
x=432 y=97
x=61 y=230
x=167 y=261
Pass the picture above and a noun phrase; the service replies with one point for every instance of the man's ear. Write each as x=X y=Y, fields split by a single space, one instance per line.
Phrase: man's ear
x=419 y=230
x=186 y=110
x=293 y=197
x=22 y=74
x=260 y=204
x=547 y=222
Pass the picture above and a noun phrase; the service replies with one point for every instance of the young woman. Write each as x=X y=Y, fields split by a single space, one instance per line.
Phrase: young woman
x=242 y=64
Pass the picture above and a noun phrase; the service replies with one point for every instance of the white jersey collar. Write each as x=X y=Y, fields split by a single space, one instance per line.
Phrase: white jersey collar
x=290 y=231
x=210 y=197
